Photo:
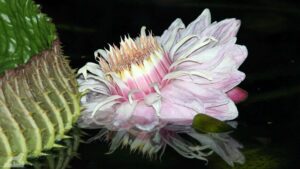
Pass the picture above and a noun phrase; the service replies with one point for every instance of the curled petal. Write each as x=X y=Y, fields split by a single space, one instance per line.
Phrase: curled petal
x=95 y=84
x=102 y=103
x=98 y=111
x=100 y=53
x=92 y=68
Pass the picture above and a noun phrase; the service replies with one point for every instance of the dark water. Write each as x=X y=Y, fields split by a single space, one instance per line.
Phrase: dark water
x=269 y=119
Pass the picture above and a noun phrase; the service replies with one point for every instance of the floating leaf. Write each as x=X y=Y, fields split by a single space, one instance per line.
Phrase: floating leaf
x=207 y=124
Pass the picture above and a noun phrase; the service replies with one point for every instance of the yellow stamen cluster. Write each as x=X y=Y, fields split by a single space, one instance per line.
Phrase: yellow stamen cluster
x=131 y=52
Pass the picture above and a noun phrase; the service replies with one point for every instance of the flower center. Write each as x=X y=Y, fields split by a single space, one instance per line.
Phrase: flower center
x=139 y=63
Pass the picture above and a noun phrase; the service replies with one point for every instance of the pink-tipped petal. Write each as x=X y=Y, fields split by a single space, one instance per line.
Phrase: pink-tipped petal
x=237 y=94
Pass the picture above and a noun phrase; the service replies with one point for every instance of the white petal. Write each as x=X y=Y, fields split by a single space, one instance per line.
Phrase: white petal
x=180 y=43
x=222 y=31
x=154 y=100
x=105 y=101
x=119 y=82
x=224 y=112
x=198 y=25
x=209 y=58
x=124 y=112
x=176 y=74
x=144 y=117
x=102 y=52
x=222 y=144
x=92 y=68
x=168 y=38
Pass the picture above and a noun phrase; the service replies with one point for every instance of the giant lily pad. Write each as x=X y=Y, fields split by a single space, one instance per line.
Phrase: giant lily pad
x=24 y=32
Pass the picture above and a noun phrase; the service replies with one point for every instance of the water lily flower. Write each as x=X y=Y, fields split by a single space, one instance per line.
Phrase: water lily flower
x=146 y=92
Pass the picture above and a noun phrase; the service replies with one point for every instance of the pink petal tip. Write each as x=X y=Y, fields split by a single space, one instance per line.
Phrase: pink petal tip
x=237 y=94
